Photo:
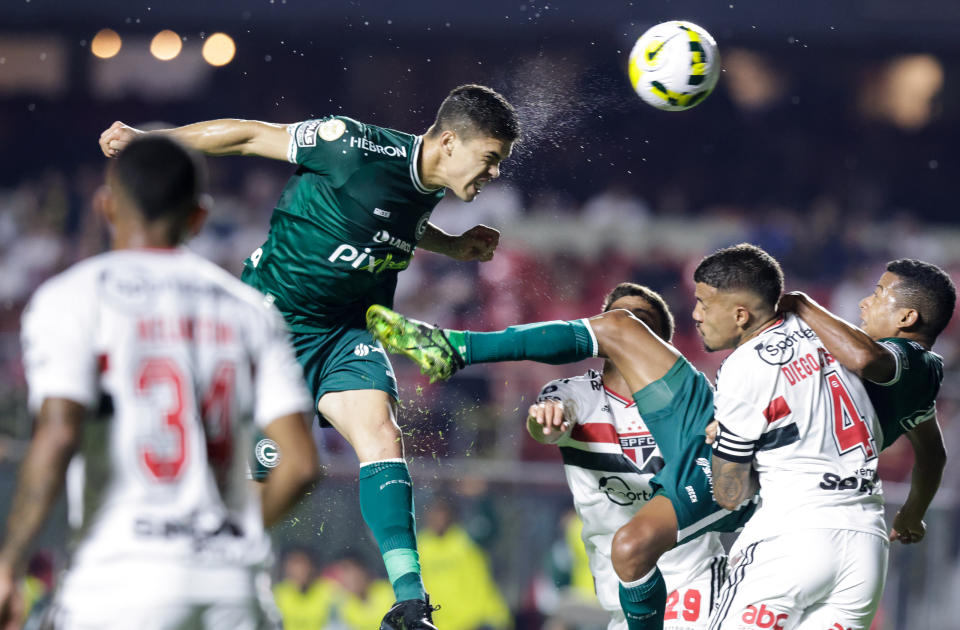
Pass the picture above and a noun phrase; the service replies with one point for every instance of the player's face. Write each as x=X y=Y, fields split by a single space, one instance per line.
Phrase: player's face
x=715 y=316
x=641 y=309
x=472 y=163
x=879 y=310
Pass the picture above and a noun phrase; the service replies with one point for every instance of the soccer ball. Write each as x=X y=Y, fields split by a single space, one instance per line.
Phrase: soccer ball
x=674 y=65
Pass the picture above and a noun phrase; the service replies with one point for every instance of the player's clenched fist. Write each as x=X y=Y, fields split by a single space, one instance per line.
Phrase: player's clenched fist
x=549 y=415
x=116 y=138
x=477 y=243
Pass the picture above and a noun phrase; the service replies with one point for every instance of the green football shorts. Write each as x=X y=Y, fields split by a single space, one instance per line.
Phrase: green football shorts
x=677 y=409
x=343 y=359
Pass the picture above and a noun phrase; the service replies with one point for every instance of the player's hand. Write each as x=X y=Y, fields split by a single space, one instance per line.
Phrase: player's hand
x=790 y=301
x=11 y=602
x=908 y=526
x=477 y=243
x=549 y=415
x=711 y=432
x=116 y=138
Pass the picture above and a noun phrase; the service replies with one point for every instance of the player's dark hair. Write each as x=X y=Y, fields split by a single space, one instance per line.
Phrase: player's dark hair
x=631 y=289
x=160 y=176
x=928 y=289
x=743 y=267
x=472 y=110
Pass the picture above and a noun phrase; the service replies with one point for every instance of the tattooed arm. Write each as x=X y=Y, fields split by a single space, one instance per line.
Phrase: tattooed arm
x=733 y=482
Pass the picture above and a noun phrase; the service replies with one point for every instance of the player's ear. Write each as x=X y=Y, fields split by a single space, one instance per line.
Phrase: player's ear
x=198 y=216
x=742 y=316
x=105 y=204
x=908 y=318
x=448 y=138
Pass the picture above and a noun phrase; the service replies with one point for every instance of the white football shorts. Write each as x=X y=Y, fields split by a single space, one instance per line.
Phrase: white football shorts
x=811 y=579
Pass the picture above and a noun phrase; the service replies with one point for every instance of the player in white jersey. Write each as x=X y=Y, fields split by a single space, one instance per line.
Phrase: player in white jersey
x=910 y=306
x=609 y=459
x=799 y=427
x=147 y=367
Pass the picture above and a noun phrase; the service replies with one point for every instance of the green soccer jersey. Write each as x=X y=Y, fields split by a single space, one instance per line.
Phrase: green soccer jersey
x=909 y=397
x=346 y=223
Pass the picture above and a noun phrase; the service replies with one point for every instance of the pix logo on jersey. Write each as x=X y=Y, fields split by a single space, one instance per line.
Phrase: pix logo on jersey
x=350 y=254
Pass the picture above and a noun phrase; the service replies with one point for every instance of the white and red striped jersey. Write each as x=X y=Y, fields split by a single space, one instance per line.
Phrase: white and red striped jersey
x=609 y=458
x=175 y=359
x=806 y=423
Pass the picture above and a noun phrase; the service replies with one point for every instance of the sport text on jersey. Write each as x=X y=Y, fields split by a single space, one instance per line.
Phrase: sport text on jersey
x=366 y=145
x=780 y=349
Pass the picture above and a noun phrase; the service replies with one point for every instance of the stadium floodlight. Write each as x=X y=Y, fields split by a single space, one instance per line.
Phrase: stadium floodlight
x=219 y=49
x=106 y=43
x=166 y=45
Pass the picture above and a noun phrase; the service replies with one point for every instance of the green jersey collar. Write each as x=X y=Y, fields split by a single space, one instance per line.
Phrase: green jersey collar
x=414 y=170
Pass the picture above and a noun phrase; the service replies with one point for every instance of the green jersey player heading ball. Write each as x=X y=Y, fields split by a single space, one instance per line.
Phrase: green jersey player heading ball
x=347 y=222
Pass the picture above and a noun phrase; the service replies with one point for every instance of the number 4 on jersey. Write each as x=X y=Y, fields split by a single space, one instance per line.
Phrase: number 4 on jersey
x=849 y=429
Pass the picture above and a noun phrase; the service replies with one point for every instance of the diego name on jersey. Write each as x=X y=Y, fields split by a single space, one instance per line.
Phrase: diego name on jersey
x=807 y=424
x=609 y=458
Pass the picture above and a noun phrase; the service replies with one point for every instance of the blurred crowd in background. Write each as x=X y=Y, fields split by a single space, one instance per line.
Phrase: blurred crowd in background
x=826 y=146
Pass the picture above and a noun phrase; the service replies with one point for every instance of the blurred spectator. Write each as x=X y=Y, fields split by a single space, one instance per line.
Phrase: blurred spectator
x=38 y=584
x=361 y=599
x=457 y=574
x=304 y=601
x=569 y=599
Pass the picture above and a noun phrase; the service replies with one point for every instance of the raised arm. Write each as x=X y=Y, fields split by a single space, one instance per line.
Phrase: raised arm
x=852 y=347
x=930 y=458
x=228 y=136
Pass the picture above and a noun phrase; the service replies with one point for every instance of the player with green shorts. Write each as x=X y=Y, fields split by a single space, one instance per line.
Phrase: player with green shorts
x=347 y=222
x=674 y=400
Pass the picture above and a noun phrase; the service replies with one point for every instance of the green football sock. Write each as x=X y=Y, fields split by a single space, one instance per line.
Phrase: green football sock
x=554 y=342
x=386 y=503
x=644 y=602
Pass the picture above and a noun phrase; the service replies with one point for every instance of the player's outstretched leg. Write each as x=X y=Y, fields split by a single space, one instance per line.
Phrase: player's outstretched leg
x=636 y=548
x=441 y=352
x=413 y=614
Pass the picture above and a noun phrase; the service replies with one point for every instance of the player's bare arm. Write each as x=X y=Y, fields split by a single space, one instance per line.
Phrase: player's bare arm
x=228 y=136
x=733 y=482
x=42 y=475
x=477 y=243
x=41 y=478
x=930 y=458
x=851 y=346
x=546 y=422
x=295 y=472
